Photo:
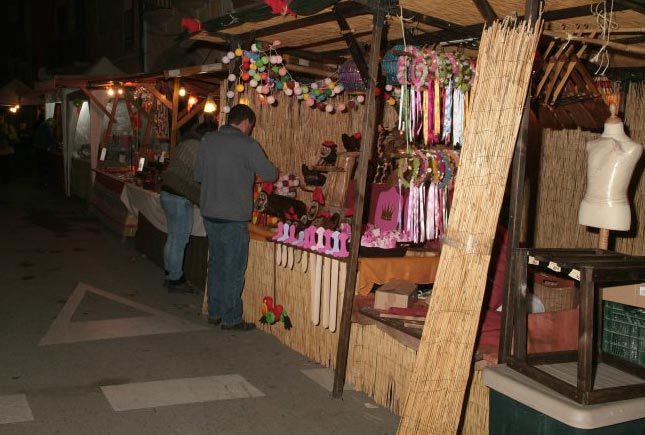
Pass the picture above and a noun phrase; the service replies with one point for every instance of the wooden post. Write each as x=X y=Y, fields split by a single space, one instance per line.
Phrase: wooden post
x=151 y=120
x=174 y=129
x=108 y=130
x=603 y=239
x=515 y=216
x=369 y=128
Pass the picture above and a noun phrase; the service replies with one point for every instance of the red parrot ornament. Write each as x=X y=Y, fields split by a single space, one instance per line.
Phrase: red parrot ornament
x=272 y=314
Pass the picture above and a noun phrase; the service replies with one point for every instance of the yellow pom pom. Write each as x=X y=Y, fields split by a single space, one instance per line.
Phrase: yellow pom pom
x=238 y=52
x=239 y=88
x=391 y=101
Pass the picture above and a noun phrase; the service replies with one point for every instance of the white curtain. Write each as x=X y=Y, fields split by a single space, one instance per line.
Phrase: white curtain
x=70 y=119
x=96 y=126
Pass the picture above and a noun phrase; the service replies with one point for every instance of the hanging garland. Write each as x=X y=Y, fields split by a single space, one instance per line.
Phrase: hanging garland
x=264 y=69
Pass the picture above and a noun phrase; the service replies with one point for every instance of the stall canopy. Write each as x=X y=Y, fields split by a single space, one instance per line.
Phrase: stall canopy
x=59 y=88
x=320 y=29
x=17 y=93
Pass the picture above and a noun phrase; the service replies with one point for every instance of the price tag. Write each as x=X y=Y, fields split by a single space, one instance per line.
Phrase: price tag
x=554 y=266
x=103 y=154
x=142 y=162
x=575 y=274
x=162 y=157
x=533 y=261
x=641 y=291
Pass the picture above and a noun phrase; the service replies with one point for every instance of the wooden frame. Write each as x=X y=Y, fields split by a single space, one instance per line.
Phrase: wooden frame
x=598 y=268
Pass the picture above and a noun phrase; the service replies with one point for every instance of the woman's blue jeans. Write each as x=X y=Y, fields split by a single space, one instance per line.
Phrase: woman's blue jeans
x=228 y=251
x=179 y=218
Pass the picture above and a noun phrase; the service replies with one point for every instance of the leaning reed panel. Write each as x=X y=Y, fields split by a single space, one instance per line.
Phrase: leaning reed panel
x=438 y=385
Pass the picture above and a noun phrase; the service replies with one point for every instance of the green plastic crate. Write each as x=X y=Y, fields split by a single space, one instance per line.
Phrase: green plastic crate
x=623 y=332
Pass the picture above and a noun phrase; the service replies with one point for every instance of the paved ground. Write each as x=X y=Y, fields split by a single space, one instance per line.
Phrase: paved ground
x=92 y=344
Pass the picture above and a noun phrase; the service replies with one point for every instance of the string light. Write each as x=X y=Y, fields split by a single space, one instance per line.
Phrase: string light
x=210 y=105
x=110 y=92
x=182 y=91
x=192 y=100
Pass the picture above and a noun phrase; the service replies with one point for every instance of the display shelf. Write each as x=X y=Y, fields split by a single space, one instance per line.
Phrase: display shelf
x=594 y=269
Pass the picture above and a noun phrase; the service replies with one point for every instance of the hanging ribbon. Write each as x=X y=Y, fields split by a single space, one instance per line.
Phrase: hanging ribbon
x=457 y=116
x=425 y=117
x=447 y=114
x=437 y=109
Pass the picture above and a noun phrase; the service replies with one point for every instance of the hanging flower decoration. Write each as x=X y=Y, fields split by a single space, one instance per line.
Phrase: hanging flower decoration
x=143 y=97
x=430 y=92
x=263 y=69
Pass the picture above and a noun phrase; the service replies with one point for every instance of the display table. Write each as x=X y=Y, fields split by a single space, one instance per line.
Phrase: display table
x=379 y=270
x=81 y=178
x=138 y=200
x=106 y=205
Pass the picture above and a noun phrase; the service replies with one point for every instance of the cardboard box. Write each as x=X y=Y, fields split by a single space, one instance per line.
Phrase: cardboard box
x=398 y=294
x=633 y=294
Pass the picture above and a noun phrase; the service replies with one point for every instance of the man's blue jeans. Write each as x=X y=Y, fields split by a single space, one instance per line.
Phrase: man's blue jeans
x=179 y=217
x=228 y=251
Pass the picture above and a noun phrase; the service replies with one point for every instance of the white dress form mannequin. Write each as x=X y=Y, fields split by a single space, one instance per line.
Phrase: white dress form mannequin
x=611 y=161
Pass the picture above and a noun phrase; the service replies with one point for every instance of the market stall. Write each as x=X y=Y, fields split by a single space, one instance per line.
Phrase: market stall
x=358 y=206
x=301 y=121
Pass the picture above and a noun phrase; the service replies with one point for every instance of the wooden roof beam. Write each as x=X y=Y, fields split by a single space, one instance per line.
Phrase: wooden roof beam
x=326 y=41
x=443 y=24
x=633 y=5
x=348 y=10
x=352 y=44
x=486 y=10
x=574 y=12
x=331 y=57
x=632 y=40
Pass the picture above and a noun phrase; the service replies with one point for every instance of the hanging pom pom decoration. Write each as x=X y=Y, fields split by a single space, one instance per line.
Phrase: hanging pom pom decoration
x=264 y=69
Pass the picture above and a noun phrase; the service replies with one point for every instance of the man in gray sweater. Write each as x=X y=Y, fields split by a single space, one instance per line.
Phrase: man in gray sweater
x=227 y=162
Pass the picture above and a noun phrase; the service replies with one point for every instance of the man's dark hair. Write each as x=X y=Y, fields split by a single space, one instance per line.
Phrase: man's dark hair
x=239 y=113
x=205 y=127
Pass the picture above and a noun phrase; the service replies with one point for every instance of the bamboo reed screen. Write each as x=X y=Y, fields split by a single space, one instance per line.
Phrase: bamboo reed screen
x=439 y=380
x=291 y=133
x=378 y=364
x=562 y=180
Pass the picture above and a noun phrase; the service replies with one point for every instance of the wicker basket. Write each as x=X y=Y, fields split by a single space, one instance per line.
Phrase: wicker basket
x=390 y=65
x=350 y=77
x=556 y=293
